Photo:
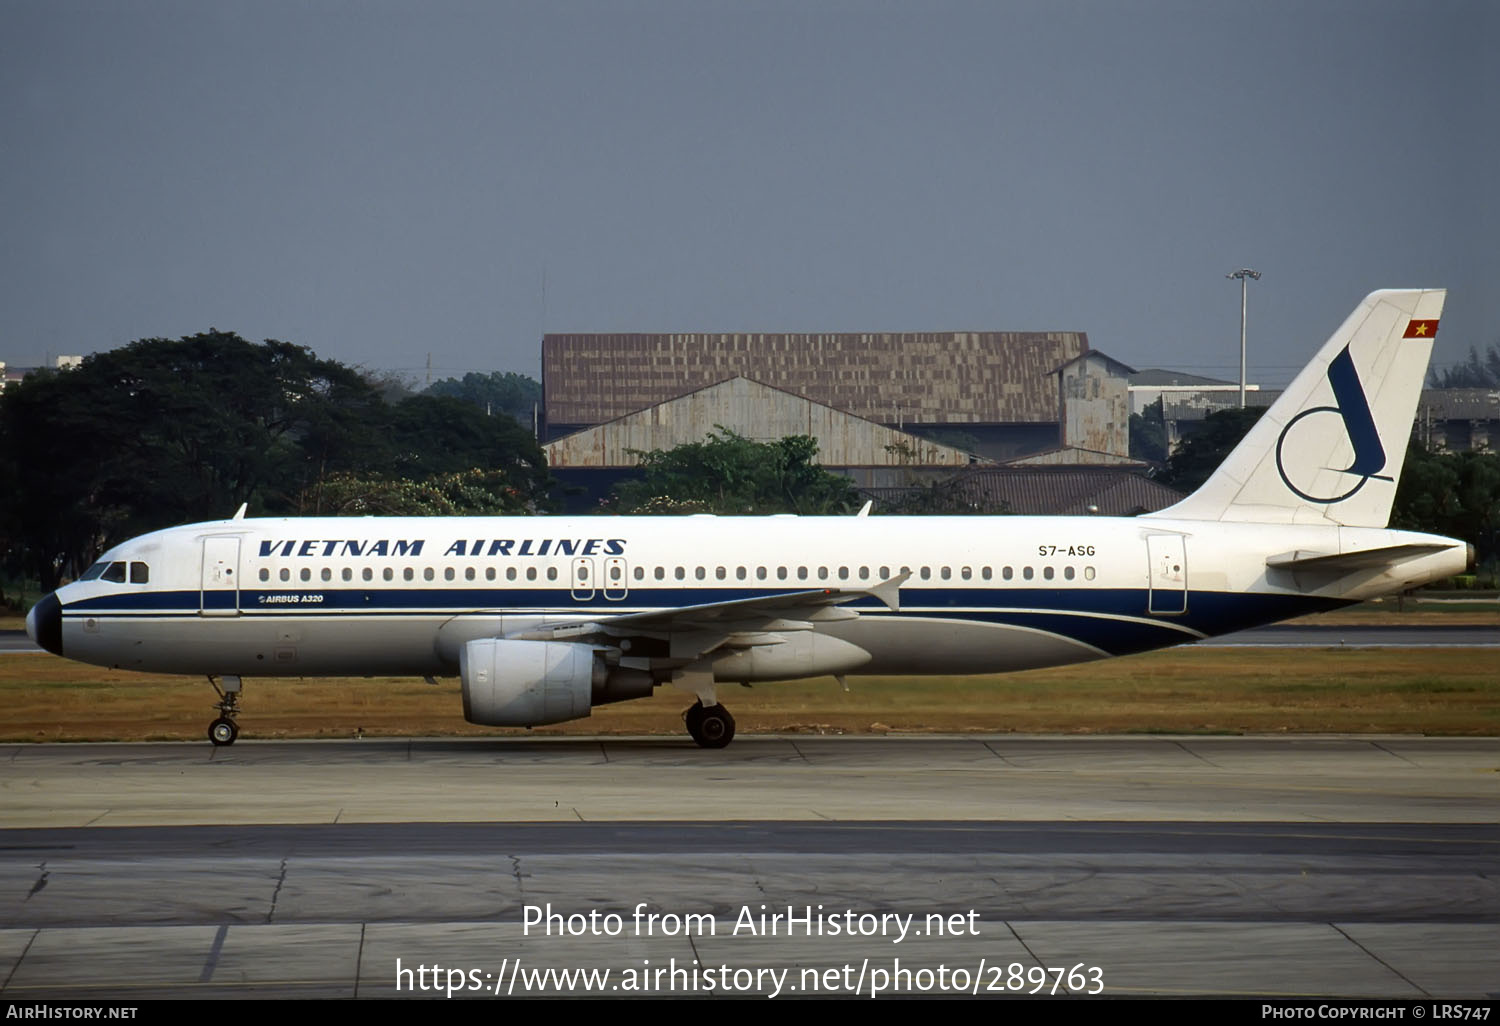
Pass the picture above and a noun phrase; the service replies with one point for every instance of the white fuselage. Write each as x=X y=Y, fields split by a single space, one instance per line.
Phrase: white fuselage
x=366 y=596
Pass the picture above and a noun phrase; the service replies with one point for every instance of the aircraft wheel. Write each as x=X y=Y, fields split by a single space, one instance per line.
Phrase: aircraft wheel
x=711 y=727
x=223 y=731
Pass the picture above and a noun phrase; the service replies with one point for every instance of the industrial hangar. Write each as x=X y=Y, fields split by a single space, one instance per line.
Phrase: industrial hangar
x=891 y=410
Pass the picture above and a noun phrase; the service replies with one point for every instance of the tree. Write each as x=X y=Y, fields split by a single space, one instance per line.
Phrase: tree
x=1473 y=373
x=495 y=393
x=1148 y=434
x=467 y=493
x=727 y=473
x=165 y=431
x=1201 y=452
x=1455 y=494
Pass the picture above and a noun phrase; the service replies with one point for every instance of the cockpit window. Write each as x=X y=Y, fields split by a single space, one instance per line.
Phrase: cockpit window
x=94 y=571
x=115 y=573
x=140 y=573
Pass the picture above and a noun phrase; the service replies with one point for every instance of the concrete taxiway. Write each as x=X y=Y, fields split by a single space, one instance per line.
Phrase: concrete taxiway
x=1366 y=867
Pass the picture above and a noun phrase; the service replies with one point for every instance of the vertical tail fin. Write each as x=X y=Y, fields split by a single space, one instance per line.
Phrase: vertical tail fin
x=1330 y=449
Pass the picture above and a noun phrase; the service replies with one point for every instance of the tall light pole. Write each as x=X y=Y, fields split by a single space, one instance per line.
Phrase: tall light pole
x=1244 y=274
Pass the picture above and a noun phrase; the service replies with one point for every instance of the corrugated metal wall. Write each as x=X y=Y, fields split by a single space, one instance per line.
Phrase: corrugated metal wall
x=755 y=411
x=980 y=377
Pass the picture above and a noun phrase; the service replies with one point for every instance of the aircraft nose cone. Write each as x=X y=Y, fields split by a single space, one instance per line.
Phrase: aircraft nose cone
x=44 y=624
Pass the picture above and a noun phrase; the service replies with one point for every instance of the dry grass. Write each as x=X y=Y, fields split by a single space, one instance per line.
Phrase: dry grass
x=1429 y=691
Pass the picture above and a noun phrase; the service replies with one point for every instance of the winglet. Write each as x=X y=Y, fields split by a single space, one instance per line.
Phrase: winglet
x=864 y=510
x=239 y=514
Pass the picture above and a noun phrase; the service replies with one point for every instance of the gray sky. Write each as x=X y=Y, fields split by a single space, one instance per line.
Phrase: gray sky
x=384 y=180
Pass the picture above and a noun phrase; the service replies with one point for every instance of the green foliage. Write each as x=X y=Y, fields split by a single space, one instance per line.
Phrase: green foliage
x=1455 y=494
x=1148 y=434
x=494 y=394
x=467 y=493
x=163 y=431
x=727 y=473
x=1473 y=373
x=1200 y=453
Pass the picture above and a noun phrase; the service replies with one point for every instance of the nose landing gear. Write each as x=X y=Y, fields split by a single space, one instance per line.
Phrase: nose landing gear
x=224 y=730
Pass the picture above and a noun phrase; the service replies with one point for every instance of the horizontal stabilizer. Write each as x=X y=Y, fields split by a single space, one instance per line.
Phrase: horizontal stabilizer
x=1366 y=559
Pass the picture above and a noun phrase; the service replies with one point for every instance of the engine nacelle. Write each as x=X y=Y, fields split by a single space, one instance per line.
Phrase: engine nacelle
x=527 y=683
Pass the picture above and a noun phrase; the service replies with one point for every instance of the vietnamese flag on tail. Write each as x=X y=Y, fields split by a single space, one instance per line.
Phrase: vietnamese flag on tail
x=1420 y=329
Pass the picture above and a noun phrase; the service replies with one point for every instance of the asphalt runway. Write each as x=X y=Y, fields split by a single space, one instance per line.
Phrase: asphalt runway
x=1322 y=866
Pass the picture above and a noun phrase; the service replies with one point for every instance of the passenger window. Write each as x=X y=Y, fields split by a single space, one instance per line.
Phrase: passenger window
x=661 y=573
x=387 y=573
x=489 y=573
x=843 y=573
x=306 y=574
x=447 y=573
x=760 y=573
x=802 y=573
x=408 y=574
x=864 y=573
x=1088 y=573
x=739 y=573
x=885 y=573
x=947 y=573
x=583 y=572
x=265 y=574
x=140 y=573
x=552 y=573
x=348 y=574
x=427 y=573
x=367 y=574
x=1068 y=572
x=966 y=573
x=327 y=573
x=468 y=573
x=781 y=573
x=115 y=574
x=822 y=573
x=719 y=573
x=1048 y=572
x=1027 y=573
x=1007 y=573
x=640 y=573
x=700 y=573
x=681 y=573
x=531 y=573
x=926 y=573
x=985 y=573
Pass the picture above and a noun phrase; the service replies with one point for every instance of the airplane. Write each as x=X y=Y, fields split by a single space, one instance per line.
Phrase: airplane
x=543 y=618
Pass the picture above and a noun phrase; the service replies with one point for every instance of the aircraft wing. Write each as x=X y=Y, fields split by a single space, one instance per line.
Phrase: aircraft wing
x=696 y=630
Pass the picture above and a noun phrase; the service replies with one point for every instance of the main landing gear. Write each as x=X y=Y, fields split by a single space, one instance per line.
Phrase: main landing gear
x=711 y=726
x=224 y=730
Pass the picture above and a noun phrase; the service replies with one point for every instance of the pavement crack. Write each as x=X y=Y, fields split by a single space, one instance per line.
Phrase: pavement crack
x=1406 y=979
x=276 y=894
x=1005 y=759
x=1196 y=755
x=1398 y=755
x=515 y=871
x=41 y=881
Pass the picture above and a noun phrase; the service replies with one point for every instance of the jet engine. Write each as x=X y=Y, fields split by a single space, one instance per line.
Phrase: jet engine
x=508 y=683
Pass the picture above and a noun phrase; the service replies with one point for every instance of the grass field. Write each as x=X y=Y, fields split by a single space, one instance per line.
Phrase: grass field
x=1189 y=691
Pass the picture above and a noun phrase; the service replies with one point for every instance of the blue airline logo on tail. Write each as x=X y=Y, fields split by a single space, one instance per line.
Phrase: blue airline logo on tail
x=1359 y=425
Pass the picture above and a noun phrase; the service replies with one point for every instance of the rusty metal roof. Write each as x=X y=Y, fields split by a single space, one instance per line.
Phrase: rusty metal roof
x=1056 y=491
x=961 y=377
